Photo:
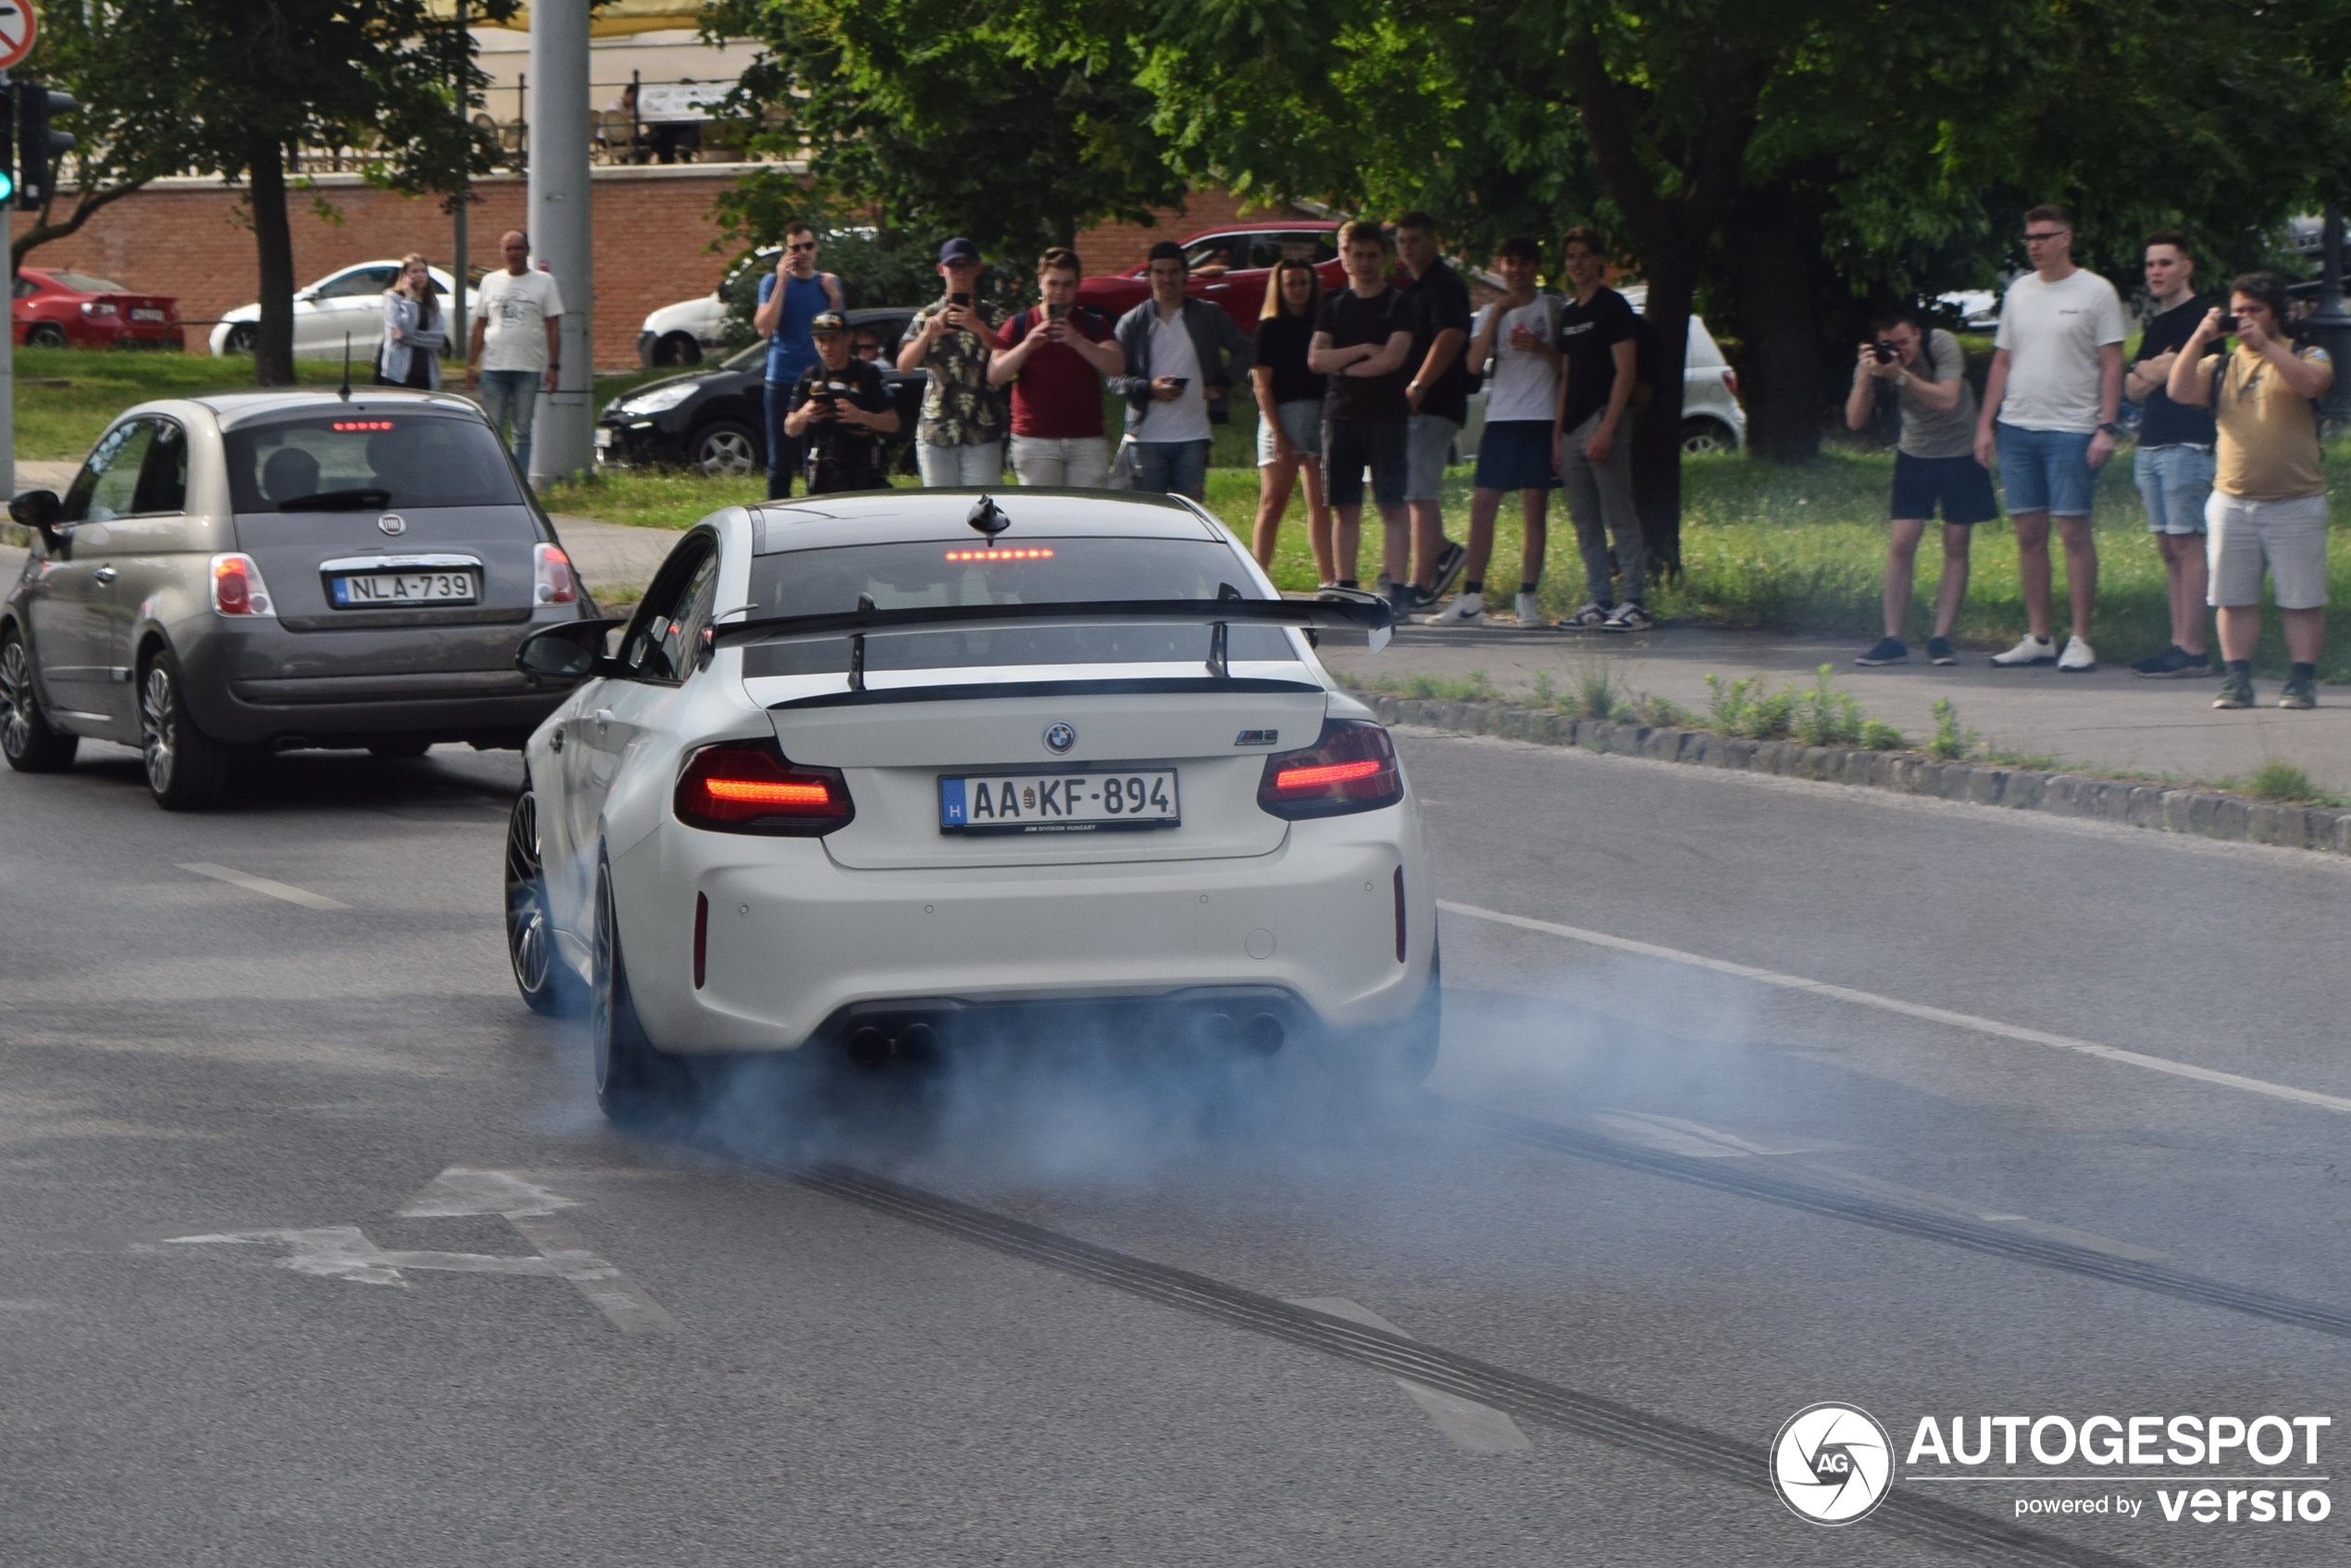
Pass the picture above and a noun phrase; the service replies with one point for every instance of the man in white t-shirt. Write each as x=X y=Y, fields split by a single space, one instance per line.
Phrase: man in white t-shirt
x=2049 y=410
x=518 y=341
x=1514 y=451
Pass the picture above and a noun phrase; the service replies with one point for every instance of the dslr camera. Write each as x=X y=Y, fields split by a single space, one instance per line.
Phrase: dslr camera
x=1884 y=352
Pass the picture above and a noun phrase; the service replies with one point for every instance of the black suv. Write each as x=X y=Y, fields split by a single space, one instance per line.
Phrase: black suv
x=714 y=418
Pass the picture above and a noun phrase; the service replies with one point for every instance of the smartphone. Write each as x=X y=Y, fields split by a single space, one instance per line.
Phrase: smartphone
x=1181 y=381
x=961 y=297
x=1057 y=312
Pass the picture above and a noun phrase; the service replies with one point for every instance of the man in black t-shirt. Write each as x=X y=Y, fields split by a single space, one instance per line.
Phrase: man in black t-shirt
x=1438 y=393
x=1362 y=340
x=2174 y=464
x=1592 y=436
x=839 y=405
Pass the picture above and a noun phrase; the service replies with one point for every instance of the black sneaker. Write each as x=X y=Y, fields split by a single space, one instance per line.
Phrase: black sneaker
x=2236 y=691
x=2172 y=664
x=1449 y=562
x=2301 y=692
x=1408 y=600
x=1940 y=652
x=1888 y=651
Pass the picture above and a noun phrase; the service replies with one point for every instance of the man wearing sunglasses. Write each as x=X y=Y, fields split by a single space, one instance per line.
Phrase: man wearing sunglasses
x=2049 y=408
x=789 y=300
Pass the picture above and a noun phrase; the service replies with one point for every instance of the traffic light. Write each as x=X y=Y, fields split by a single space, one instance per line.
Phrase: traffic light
x=37 y=145
x=8 y=143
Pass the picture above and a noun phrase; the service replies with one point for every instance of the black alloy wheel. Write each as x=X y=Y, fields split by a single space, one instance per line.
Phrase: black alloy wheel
x=723 y=449
x=26 y=738
x=633 y=1080
x=1701 y=436
x=187 y=769
x=678 y=348
x=241 y=338
x=45 y=334
x=547 y=987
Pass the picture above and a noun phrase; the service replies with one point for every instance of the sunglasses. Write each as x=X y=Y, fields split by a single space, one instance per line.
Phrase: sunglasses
x=801 y=246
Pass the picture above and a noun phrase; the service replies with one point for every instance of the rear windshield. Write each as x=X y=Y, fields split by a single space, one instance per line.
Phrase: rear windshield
x=88 y=284
x=1054 y=571
x=348 y=461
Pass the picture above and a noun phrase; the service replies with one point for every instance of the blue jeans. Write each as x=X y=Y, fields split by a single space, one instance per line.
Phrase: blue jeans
x=785 y=454
x=2046 y=470
x=2174 y=481
x=1172 y=468
x=515 y=392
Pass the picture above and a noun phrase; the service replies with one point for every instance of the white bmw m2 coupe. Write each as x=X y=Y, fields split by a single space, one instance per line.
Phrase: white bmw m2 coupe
x=865 y=771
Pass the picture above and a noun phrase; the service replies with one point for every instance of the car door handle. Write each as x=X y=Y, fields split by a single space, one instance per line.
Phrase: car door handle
x=603 y=717
x=556 y=738
x=105 y=574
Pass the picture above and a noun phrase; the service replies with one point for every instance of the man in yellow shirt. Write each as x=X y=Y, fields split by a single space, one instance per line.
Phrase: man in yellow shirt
x=2269 y=505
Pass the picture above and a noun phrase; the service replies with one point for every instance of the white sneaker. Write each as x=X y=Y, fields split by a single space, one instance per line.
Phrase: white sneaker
x=1530 y=611
x=2076 y=658
x=2029 y=651
x=1467 y=609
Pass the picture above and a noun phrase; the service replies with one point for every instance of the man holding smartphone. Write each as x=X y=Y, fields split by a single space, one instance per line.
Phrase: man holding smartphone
x=1055 y=359
x=960 y=441
x=839 y=405
x=1179 y=356
x=789 y=300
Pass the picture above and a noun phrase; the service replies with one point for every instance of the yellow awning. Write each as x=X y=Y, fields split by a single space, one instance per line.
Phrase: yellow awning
x=616 y=18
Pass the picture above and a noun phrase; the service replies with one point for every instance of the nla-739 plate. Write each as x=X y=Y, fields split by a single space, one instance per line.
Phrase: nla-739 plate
x=369 y=590
x=1058 y=803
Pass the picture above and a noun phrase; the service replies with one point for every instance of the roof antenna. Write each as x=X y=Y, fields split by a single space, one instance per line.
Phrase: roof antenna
x=989 y=518
x=343 y=391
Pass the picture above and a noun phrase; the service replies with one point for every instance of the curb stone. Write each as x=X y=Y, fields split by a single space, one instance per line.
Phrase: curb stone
x=2205 y=814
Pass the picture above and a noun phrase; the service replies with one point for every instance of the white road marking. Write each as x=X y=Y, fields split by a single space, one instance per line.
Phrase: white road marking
x=1473 y=1426
x=342 y=1251
x=247 y=880
x=461 y=1189
x=1911 y=1009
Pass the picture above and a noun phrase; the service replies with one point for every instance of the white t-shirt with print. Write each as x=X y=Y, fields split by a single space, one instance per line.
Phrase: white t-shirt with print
x=2053 y=333
x=1185 y=418
x=1521 y=385
x=514 y=309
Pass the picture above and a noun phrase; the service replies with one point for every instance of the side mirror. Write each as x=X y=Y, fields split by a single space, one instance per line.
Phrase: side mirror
x=38 y=509
x=572 y=650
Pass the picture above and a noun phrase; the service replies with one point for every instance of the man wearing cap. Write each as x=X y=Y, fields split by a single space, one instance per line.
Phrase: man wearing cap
x=960 y=439
x=1182 y=357
x=839 y=405
x=789 y=300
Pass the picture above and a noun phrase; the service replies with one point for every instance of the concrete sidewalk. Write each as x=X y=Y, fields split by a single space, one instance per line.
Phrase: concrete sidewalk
x=2107 y=718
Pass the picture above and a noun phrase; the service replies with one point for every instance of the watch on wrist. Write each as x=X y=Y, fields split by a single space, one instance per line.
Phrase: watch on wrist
x=2109 y=426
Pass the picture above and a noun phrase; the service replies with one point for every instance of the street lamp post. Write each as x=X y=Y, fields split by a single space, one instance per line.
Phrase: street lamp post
x=2329 y=326
x=562 y=443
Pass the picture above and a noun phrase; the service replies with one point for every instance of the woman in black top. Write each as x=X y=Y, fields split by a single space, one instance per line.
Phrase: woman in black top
x=1289 y=414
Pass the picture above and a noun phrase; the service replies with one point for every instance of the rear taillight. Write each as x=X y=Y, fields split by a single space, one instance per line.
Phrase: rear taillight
x=1351 y=767
x=552 y=581
x=237 y=588
x=751 y=787
x=1730 y=382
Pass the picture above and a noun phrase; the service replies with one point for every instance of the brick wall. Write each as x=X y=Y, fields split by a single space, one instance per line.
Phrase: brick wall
x=652 y=232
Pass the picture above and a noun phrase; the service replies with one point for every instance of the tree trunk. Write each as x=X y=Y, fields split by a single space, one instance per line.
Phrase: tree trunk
x=1777 y=246
x=1657 y=431
x=273 y=242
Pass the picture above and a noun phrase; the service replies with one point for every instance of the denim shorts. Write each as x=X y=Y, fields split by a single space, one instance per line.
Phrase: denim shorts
x=2174 y=481
x=2046 y=470
x=1516 y=455
x=1301 y=421
x=1172 y=468
x=1428 y=446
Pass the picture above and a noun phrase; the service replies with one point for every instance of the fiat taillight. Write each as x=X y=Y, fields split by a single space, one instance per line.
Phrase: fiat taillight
x=237 y=588
x=1350 y=767
x=552 y=579
x=746 y=787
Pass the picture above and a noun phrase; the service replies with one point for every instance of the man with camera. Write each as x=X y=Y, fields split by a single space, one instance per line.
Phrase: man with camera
x=1924 y=374
x=839 y=405
x=1181 y=355
x=1055 y=360
x=959 y=439
x=789 y=299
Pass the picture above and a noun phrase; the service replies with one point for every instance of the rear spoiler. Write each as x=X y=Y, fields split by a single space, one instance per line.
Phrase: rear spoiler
x=1337 y=609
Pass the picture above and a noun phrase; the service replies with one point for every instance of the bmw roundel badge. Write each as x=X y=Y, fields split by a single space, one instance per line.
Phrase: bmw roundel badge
x=1059 y=738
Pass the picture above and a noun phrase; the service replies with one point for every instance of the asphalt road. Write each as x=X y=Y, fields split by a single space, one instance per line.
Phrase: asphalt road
x=1033 y=1311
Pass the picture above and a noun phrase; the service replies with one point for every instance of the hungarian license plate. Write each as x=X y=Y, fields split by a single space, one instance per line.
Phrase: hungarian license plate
x=1058 y=803
x=146 y=313
x=604 y=437
x=378 y=589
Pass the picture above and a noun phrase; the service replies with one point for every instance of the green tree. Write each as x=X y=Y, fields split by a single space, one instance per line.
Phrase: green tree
x=1014 y=126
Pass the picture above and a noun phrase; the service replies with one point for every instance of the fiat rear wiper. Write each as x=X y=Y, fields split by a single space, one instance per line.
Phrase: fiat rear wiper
x=337 y=501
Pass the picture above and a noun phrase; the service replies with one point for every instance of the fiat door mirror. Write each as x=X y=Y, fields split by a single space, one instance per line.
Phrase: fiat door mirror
x=40 y=509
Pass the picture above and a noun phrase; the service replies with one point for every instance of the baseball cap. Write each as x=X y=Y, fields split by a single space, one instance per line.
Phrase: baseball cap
x=958 y=249
x=827 y=321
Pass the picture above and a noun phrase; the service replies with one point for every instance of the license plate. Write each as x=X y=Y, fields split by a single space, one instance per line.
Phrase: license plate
x=378 y=588
x=604 y=437
x=1058 y=803
x=146 y=313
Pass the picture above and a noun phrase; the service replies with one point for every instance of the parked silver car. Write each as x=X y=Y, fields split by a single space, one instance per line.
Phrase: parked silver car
x=274 y=571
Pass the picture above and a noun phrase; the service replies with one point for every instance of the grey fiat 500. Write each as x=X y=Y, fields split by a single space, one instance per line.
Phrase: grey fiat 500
x=275 y=570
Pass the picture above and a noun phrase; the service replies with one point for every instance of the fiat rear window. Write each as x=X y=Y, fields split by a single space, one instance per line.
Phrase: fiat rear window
x=350 y=460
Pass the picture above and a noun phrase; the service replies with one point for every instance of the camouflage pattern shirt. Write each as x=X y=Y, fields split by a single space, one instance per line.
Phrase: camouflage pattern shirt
x=959 y=407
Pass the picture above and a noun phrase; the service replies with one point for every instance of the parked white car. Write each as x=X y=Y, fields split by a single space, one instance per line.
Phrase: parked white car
x=1711 y=418
x=687 y=333
x=1080 y=768
x=351 y=301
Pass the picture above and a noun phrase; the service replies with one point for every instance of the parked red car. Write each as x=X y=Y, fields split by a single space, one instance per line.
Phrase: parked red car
x=78 y=310
x=1230 y=268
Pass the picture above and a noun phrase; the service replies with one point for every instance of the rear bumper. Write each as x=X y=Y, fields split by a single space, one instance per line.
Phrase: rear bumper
x=496 y=706
x=800 y=950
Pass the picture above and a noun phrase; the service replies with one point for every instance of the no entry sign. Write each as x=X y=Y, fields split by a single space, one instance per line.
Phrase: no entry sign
x=17 y=27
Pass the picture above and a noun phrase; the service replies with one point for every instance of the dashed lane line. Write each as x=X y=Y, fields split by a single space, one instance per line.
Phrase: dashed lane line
x=251 y=883
x=1943 y=1015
